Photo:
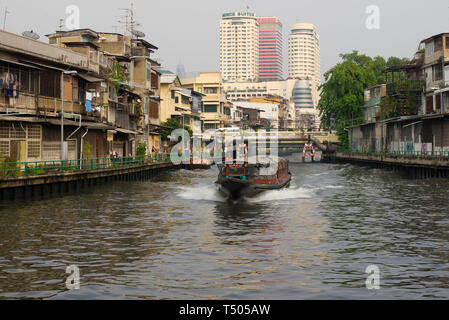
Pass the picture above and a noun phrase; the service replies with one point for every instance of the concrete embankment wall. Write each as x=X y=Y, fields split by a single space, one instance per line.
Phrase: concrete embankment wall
x=41 y=186
x=416 y=167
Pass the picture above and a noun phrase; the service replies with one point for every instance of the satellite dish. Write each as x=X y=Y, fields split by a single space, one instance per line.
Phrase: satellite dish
x=139 y=34
x=31 y=35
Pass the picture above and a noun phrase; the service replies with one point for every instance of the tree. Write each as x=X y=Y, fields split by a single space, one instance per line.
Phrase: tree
x=174 y=124
x=342 y=94
x=142 y=149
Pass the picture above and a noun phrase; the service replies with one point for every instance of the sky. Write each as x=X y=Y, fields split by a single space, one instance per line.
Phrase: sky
x=188 y=31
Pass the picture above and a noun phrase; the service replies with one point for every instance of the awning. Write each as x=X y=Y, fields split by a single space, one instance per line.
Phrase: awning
x=21 y=64
x=89 y=78
x=432 y=116
x=45 y=66
x=158 y=128
x=126 y=131
x=97 y=126
x=442 y=90
x=184 y=92
x=84 y=124
x=23 y=119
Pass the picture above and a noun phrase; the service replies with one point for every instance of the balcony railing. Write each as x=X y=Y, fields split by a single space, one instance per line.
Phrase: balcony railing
x=405 y=86
x=13 y=170
x=54 y=105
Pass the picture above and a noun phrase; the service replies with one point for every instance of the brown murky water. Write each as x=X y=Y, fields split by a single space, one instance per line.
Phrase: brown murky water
x=177 y=238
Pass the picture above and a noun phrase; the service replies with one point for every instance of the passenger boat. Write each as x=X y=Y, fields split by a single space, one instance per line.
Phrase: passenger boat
x=247 y=180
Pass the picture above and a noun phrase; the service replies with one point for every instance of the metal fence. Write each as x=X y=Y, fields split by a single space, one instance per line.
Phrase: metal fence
x=11 y=170
x=405 y=154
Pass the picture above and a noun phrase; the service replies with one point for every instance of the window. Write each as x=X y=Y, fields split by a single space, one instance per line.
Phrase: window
x=211 y=108
x=210 y=90
x=438 y=73
x=50 y=84
x=154 y=110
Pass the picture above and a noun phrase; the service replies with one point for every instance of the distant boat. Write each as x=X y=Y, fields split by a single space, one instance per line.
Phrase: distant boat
x=248 y=180
x=309 y=152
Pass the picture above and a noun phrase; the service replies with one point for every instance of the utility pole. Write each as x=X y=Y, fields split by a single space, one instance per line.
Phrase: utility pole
x=64 y=149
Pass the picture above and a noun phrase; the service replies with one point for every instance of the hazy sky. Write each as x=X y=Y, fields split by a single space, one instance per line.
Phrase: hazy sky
x=188 y=31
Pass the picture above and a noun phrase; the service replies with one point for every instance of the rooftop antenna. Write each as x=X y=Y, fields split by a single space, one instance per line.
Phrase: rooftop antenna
x=4 y=20
x=129 y=21
x=61 y=24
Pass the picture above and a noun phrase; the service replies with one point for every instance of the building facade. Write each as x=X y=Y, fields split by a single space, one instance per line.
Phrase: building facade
x=304 y=55
x=270 y=49
x=179 y=103
x=216 y=113
x=301 y=95
x=239 y=46
x=102 y=85
x=409 y=115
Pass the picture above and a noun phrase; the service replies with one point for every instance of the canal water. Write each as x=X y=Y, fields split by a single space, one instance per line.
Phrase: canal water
x=176 y=237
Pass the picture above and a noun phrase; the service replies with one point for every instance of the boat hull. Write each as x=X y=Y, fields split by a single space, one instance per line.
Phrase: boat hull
x=236 y=188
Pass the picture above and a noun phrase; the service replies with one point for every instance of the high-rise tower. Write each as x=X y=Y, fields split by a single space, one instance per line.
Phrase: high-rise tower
x=239 y=46
x=270 y=48
x=304 y=53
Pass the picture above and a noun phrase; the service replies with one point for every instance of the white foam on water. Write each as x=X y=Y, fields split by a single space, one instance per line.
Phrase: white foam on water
x=201 y=193
x=283 y=194
x=320 y=174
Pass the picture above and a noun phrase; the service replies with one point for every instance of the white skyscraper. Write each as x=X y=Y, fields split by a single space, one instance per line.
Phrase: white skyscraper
x=239 y=46
x=304 y=53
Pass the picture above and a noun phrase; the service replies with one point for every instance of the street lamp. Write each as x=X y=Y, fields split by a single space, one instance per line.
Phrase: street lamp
x=64 y=153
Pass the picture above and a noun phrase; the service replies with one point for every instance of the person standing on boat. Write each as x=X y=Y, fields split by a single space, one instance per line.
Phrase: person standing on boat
x=242 y=154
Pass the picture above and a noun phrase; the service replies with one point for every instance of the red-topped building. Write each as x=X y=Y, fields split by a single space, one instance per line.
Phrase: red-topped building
x=270 y=48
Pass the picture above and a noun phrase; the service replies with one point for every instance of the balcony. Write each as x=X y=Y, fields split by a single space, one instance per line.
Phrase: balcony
x=404 y=86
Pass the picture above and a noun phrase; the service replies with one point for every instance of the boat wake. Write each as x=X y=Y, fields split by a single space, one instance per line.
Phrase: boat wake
x=282 y=195
x=211 y=193
x=202 y=193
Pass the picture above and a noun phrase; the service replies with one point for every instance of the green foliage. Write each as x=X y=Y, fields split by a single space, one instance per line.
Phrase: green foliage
x=8 y=166
x=342 y=94
x=174 y=124
x=142 y=149
x=118 y=75
x=392 y=106
x=87 y=149
x=343 y=137
x=139 y=108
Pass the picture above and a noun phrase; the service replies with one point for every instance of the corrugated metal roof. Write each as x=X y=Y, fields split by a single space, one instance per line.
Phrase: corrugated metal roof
x=168 y=78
